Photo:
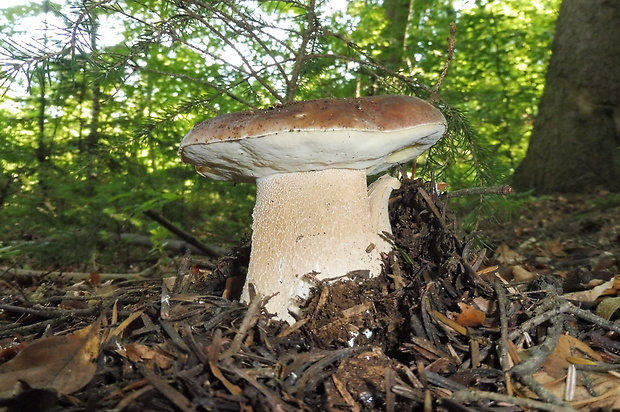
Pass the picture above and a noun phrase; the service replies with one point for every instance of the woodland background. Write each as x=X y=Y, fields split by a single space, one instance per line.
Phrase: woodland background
x=97 y=96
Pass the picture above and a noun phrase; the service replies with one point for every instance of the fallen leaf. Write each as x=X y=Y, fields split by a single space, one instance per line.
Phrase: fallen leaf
x=592 y=294
x=139 y=353
x=523 y=275
x=63 y=363
x=555 y=248
x=470 y=316
x=507 y=256
x=567 y=349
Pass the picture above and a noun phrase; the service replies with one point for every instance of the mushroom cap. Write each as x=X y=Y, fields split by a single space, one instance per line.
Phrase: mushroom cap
x=371 y=133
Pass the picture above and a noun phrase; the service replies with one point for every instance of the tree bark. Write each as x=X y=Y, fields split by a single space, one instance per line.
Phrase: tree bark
x=575 y=144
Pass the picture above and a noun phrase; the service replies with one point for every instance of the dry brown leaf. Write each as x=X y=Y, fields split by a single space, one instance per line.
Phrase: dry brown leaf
x=608 y=386
x=592 y=294
x=470 y=316
x=568 y=347
x=63 y=363
x=139 y=353
x=523 y=275
x=553 y=375
x=507 y=256
x=555 y=248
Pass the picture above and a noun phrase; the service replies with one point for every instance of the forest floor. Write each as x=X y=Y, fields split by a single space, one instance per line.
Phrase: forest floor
x=528 y=323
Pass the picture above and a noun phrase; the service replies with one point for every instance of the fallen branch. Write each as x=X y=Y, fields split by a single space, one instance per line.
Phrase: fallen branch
x=479 y=191
x=469 y=396
x=207 y=250
x=58 y=274
x=169 y=245
x=524 y=371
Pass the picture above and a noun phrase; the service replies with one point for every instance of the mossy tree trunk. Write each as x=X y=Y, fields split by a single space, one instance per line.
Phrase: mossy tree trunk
x=575 y=144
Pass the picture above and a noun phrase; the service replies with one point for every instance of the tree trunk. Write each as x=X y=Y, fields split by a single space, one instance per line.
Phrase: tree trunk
x=575 y=144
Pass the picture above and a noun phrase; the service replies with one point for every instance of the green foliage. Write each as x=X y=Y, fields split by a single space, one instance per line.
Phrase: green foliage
x=96 y=102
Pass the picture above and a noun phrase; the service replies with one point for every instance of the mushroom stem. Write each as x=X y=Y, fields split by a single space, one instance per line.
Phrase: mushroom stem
x=378 y=197
x=309 y=222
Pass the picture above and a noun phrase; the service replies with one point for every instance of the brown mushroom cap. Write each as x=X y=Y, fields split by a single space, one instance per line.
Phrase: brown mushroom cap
x=371 y=133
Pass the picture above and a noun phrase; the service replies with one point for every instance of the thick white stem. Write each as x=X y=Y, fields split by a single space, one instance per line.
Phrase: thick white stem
x=309 y=222
x=378 y=197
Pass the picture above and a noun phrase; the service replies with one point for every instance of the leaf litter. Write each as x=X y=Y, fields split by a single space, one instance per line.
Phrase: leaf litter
x=445 y=327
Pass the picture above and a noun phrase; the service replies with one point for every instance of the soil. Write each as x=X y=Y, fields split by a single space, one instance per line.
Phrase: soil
x=448 y=326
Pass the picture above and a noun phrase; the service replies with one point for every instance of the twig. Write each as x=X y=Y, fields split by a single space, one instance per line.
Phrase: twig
x=470 y=395
x=50 y=312
x=601 y=367
x=431 y=204
x=446 y=67
x=183 y=270
x=525 y=370
x=308 y=35
x=58 y=274
x=15 y=329
x=502 y=345
x=591 y=317
x=181 y=233
x=250 y=318
x=563 y=306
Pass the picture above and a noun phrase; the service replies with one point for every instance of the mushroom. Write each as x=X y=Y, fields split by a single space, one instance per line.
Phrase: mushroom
x=313 y=212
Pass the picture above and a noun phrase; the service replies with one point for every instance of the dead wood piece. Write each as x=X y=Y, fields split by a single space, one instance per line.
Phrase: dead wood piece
x=51 y=312
x=169 y=245
x=14 y=329
x=59 y=275
x=207 y=250
x=480 y=191
x=346 y=395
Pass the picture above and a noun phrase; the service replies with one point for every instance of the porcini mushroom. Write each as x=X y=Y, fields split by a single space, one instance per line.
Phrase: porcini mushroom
x=313 y=213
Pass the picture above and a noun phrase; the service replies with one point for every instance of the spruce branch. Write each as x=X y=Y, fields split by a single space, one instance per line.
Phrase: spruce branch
x=446 y=67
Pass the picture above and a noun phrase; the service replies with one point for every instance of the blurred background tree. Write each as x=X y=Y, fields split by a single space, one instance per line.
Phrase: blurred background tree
x=98 y=94
x=575 y=145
